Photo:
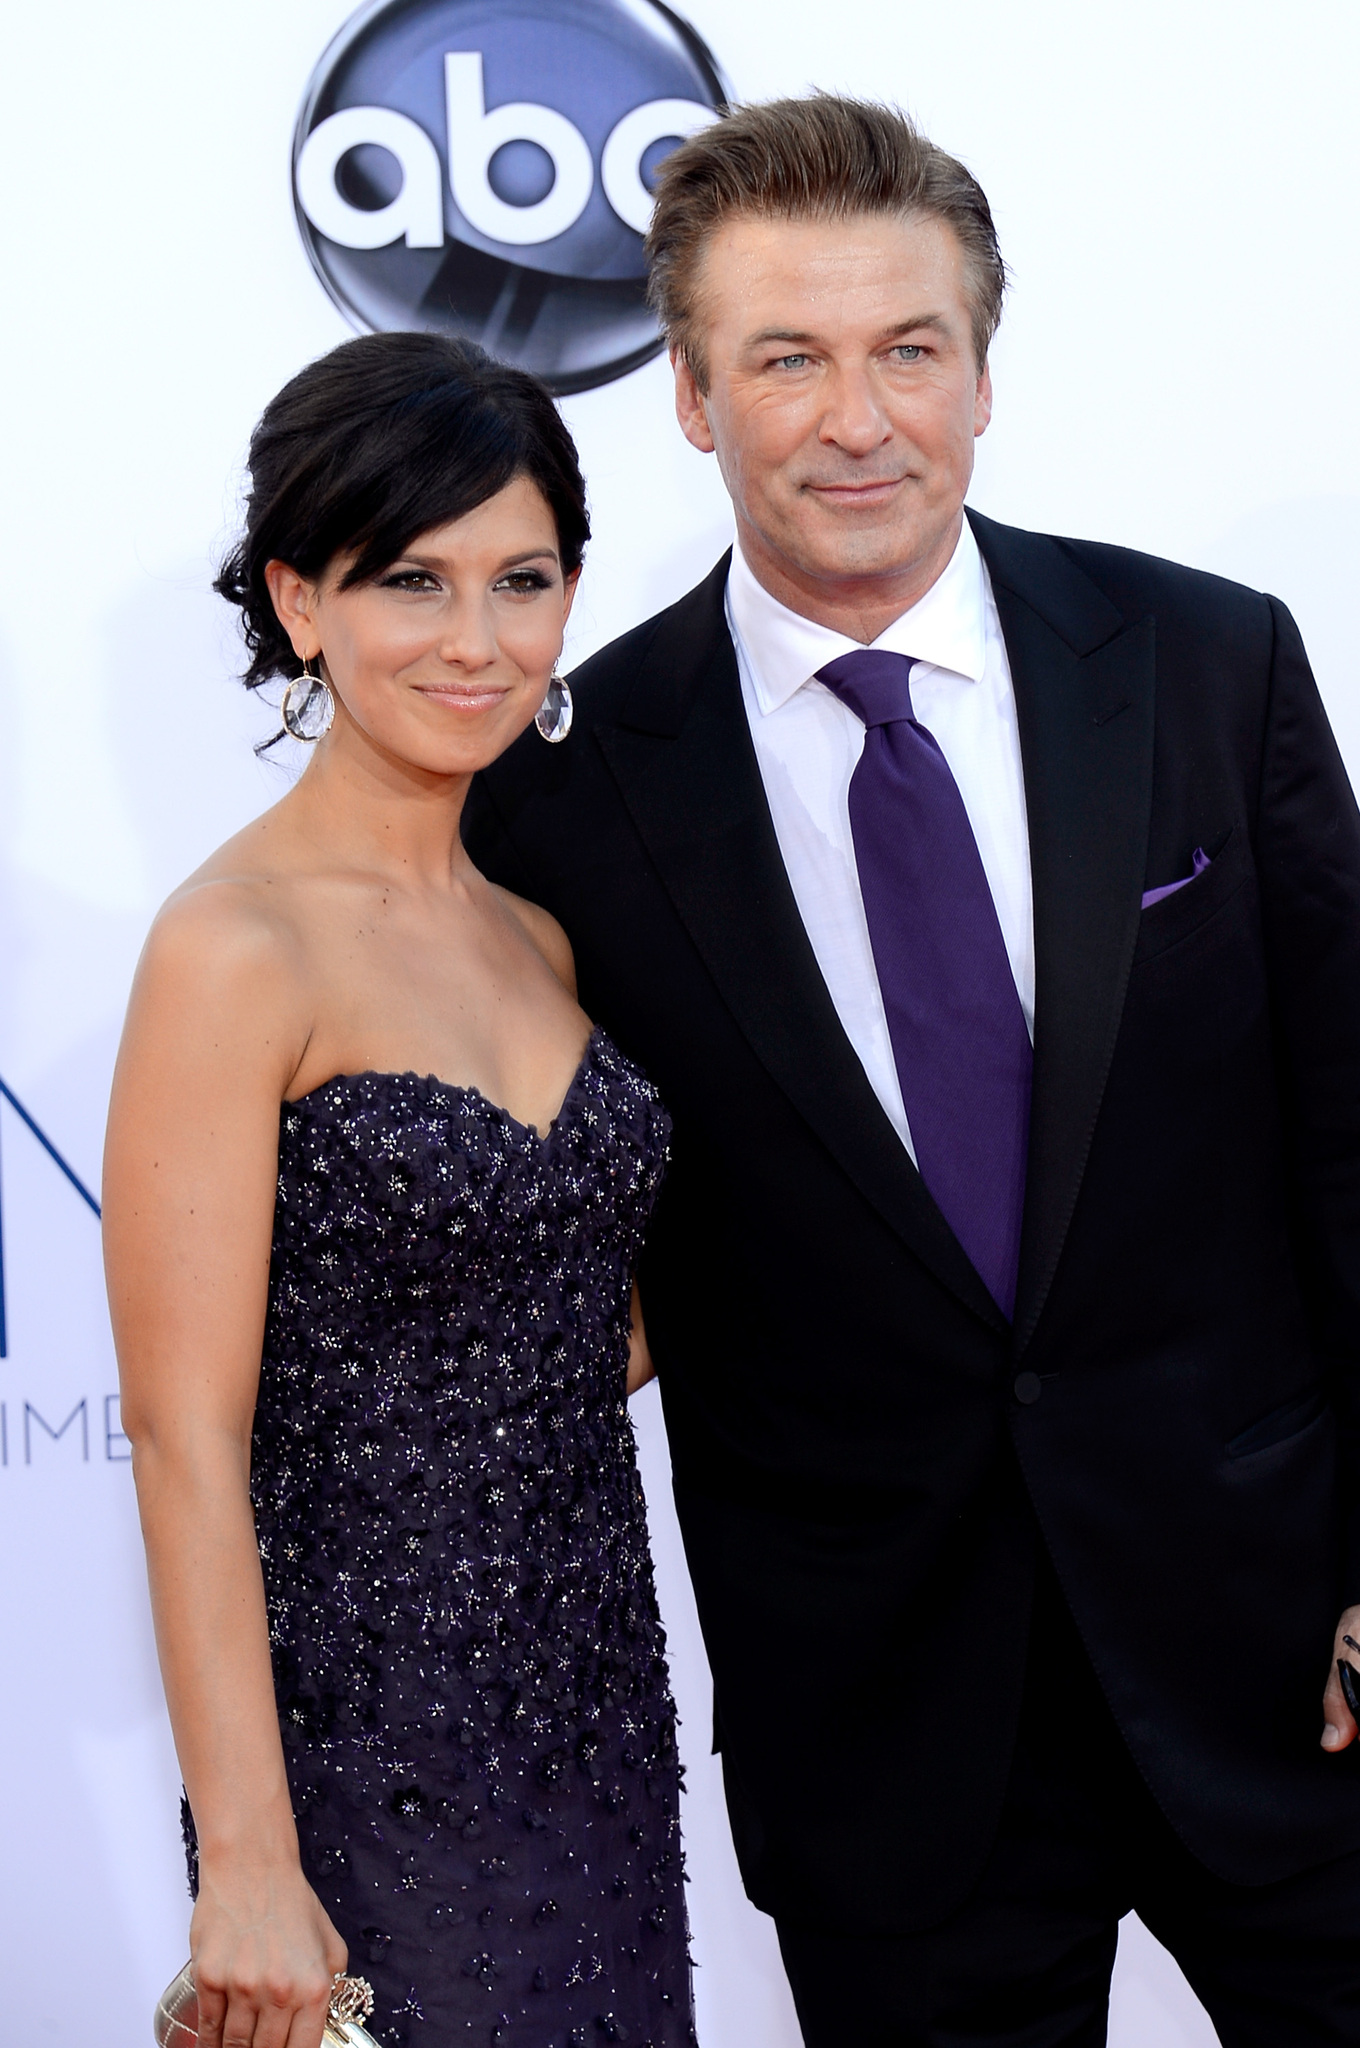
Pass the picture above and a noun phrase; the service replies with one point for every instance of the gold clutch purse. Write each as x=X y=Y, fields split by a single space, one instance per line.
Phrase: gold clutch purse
x=176 y=2021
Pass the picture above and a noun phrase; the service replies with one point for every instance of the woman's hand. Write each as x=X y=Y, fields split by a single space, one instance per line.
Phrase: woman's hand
x=264 y=1956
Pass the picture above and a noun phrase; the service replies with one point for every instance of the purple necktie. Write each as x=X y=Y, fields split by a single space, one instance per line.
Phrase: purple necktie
x=958 y=1032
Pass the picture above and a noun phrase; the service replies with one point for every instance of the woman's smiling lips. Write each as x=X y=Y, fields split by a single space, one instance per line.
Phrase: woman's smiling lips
x=464 y=697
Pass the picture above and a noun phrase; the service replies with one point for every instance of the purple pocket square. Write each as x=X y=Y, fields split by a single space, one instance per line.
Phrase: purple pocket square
x=1200 y=863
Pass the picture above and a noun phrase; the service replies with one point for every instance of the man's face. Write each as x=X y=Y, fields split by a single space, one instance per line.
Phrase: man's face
x=843 y=402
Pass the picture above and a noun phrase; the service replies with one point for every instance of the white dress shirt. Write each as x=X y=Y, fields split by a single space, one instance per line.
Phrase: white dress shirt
x=808 y=746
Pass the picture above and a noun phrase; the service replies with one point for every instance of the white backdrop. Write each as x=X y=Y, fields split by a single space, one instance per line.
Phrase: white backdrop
x=1175 y=185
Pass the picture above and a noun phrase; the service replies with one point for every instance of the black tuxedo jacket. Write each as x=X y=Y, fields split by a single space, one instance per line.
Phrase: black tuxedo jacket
x=864 y=1451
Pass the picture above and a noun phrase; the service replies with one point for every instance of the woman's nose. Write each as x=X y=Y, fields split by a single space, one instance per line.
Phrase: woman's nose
x=468 y=639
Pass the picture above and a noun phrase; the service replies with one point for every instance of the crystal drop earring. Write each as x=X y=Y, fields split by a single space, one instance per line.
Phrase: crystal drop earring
x=553 y=717
x=308 y=706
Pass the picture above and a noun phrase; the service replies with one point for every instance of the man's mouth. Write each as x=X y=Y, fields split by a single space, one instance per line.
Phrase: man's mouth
x=856 y=490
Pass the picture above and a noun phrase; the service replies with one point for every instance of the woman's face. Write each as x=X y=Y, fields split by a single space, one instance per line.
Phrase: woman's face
x=443 y=659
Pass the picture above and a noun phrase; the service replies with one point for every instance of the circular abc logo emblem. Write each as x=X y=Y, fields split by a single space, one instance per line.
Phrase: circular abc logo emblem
x=483 y=168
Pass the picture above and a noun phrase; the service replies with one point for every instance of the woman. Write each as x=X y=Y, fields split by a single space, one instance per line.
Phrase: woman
x=374 y=1191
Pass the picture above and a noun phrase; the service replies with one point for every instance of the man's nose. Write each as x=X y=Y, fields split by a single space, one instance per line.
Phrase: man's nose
x=855 y=418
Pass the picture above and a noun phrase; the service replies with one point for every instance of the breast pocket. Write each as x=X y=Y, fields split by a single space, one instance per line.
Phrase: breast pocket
x=1177 y=916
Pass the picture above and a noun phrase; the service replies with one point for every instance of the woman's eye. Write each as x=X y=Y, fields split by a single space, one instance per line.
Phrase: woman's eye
x=409 y=579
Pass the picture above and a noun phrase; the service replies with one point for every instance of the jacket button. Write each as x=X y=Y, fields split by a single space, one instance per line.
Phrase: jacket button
x=1027 y=1388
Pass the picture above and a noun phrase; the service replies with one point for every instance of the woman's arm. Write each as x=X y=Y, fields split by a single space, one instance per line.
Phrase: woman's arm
x=214 y=1032
x=640 y=1367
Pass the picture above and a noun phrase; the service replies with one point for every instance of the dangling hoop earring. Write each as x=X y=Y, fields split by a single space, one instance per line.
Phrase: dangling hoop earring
x=553 y=717
x=307 y=714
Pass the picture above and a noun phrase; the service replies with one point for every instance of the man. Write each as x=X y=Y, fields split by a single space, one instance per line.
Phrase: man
x=987 y=909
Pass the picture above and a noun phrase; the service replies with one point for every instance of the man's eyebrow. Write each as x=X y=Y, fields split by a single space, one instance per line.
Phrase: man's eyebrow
x=768 y=334
x=803 y=338
x=935 y=322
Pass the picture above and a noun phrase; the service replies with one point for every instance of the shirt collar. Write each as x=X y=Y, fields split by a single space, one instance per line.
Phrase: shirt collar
x=947 y=628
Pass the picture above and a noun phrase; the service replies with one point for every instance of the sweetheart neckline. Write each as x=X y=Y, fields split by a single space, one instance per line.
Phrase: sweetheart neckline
x=467 y=1090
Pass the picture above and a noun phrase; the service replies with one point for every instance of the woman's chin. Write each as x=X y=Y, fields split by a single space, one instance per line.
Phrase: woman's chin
x=443 y=741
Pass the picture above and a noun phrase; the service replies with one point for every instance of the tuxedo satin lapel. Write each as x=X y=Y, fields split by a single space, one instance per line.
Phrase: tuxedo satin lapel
x=684 y=763
x=1084 y=680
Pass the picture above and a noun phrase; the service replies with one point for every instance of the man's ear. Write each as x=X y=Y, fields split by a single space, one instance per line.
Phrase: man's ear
x=982 y=403
x=689 y=406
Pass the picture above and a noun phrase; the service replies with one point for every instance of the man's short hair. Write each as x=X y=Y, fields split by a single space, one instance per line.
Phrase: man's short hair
x=822 y=158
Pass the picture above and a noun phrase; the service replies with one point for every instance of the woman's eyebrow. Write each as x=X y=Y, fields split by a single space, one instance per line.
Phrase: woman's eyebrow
x=421 y=561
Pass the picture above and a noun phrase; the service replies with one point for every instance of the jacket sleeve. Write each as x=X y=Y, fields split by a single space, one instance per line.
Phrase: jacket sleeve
x=1308 y=861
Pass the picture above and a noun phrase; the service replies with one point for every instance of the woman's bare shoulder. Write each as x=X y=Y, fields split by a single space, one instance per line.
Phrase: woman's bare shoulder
x=543 y=931
x=233 y=931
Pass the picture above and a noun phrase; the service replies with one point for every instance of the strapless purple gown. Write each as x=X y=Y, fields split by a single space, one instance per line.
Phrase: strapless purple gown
x=470 y=1667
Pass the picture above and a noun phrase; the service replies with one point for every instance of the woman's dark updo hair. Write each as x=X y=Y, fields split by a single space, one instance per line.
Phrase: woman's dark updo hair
x=379 y=441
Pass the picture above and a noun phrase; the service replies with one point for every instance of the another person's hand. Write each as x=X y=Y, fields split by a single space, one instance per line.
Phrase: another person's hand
x=1340 y=1729
x=264 y=1957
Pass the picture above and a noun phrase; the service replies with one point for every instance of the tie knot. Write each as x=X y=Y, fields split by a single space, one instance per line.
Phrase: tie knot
x=874 y=684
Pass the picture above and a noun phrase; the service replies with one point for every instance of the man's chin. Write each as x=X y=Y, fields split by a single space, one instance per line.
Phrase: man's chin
x=843 y=543
x=867 y=558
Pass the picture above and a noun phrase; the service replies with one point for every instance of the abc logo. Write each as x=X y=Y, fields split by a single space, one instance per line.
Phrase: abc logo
x=483 y=167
